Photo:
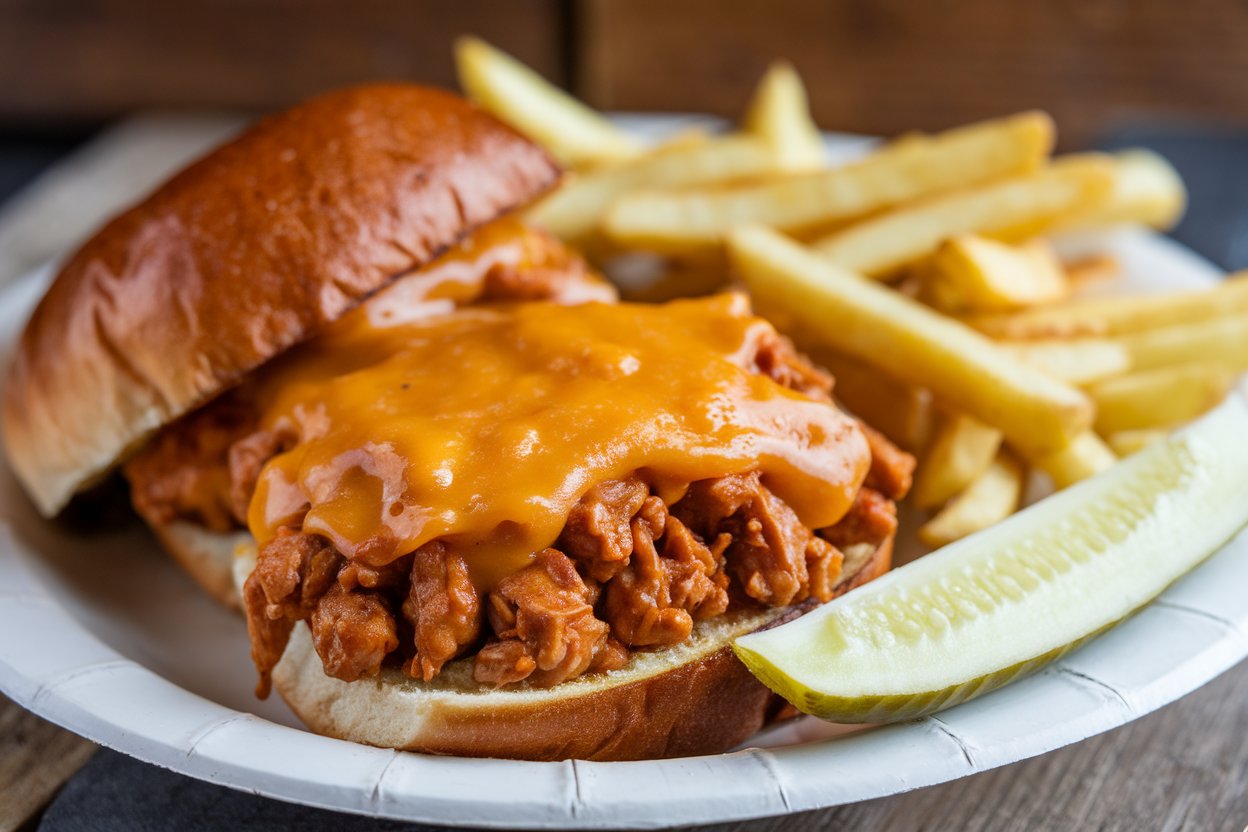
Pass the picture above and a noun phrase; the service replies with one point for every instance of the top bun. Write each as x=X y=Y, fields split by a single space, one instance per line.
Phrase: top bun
x=244 y=254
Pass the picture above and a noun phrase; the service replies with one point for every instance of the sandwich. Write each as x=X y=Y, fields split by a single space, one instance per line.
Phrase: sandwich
x=467 y=501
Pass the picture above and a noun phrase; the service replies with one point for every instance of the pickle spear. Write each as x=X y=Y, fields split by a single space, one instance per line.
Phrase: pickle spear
x=1001 y=603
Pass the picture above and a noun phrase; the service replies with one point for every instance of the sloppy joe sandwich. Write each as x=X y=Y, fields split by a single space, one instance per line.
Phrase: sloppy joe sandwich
x=474 y=505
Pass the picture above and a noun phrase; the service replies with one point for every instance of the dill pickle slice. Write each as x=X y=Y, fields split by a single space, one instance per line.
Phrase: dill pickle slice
x=994 y=606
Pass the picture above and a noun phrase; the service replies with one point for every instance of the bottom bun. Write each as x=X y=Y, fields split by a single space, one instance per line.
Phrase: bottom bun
x=692 y=698
x=207 y=555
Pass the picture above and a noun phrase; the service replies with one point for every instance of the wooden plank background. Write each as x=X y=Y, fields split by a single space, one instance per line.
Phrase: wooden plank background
x=36 y=757
x=888 y=66
x=77 y=61
x=876 y=66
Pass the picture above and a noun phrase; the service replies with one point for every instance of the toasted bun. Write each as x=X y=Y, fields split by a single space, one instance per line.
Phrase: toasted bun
x=207 y=555
x=694 y=698
x=245 y=253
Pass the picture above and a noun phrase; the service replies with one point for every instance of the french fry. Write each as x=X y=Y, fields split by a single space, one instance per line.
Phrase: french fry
x=902 y=412
x=1147 y=189
x=961 y=452
x=1120 y=315
x=1093 y=269
x=779 y=114
x=685 y=137
x=988 y=500
x=1085 y=457
x=1127 y=442
x=573 y=211
x=907 y=169
x=1010 y=210
x=1077 y=361
x=968 y=273
x=1223 y=340
x=574 y=134
x=828 y=305
x=1160 y=398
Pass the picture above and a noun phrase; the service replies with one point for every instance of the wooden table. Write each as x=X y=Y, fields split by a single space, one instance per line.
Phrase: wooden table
x=885 y=66
x=36 y=757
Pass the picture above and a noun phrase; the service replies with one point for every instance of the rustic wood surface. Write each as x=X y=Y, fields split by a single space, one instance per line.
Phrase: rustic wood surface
x=888 y=66
x=884 y=66
x=82 y=60
x=36 y=757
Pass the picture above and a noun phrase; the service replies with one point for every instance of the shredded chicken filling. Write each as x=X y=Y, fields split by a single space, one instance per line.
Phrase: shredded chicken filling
x=628 y=572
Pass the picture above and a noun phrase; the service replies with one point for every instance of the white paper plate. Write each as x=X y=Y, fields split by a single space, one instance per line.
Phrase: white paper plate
x=103 y=635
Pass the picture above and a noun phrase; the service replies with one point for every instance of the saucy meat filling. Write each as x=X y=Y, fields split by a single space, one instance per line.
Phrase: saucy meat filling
x=628 y=571
x=638 y=560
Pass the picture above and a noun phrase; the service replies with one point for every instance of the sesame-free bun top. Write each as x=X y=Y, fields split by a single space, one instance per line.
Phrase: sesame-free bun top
x=242 y=255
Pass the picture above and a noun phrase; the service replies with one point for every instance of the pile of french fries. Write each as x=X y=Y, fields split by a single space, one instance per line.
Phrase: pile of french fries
x=922 y=275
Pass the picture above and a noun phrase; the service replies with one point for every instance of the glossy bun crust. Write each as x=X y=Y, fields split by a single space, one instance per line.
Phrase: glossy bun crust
x=245 y=253
x=693 y=698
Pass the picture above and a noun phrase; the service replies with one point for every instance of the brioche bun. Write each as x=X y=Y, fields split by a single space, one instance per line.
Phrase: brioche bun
x=692 y=698
x=208 y=556
x=242 y=255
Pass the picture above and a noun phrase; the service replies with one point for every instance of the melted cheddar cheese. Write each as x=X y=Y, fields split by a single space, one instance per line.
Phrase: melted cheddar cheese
x=483 y=427
x=461 y=274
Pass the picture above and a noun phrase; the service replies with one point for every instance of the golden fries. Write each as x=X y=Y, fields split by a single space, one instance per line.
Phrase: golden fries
x=963 y=216
x=989 y=499
x=907 y=169
x=1121 y=315
x=573 y=211
x=1221 y=340
x=902 y=412
x=973 y=274
x=1095 y=268
x=1147 y=190
x=962 y=450
x=779 y=114
x=1160 y=398
x=1127 y=442
x=1014 y=209
x=1077 y=361
x=573 y=133
x=1084 y=457
x=907 y=340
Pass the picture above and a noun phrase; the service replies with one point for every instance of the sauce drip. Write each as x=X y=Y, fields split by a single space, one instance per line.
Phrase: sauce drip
x=483 y=427
x=461 y=274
